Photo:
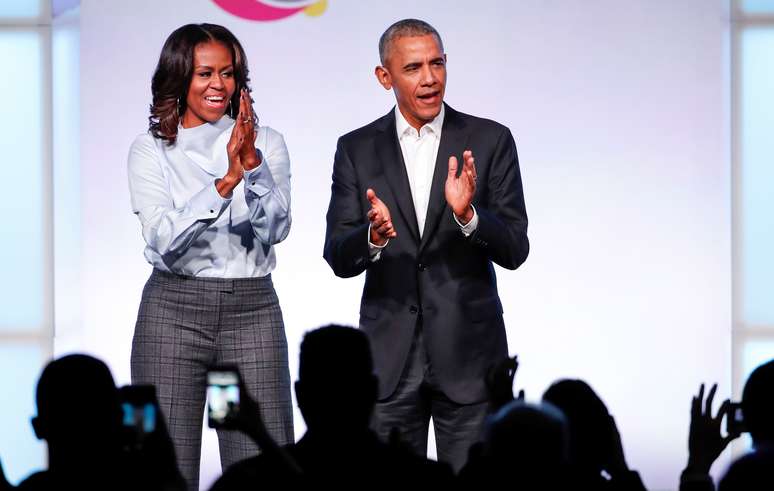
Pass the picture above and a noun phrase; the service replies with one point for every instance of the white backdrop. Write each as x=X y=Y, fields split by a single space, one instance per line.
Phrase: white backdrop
x=619 y=110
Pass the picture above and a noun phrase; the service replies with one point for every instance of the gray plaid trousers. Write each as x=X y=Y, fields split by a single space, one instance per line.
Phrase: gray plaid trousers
x=186 y=324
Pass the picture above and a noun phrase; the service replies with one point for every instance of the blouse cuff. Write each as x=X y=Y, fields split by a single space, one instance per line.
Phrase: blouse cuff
x=259 y=180
x=208 y=204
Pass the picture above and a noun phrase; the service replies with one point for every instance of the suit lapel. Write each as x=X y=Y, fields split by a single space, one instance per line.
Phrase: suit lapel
x=454 y=137
x=394 y=171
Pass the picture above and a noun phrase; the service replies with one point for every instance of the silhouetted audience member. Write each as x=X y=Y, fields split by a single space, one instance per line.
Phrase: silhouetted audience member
x=596 y=452
x=758 y=406
x=569 y=441
x=706 y=441
x=751 y=472
x=4 y=484
x=524 y=445
x=79 y=417
x=336 y=393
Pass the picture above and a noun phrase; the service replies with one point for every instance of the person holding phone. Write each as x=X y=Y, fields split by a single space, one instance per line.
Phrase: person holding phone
x=212 y=191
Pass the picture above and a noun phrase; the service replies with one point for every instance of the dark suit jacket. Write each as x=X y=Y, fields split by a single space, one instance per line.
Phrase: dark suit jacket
x=445 y=277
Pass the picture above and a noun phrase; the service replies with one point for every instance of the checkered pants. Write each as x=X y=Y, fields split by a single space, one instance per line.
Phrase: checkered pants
x=187 y=324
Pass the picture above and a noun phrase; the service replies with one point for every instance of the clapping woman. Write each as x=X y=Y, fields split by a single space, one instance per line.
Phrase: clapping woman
x=212 y=191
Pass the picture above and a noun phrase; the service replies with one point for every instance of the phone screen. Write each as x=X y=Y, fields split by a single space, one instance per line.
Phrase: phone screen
x=735 y=419
x=138 y=405
x=140 y=417
x=223 y=397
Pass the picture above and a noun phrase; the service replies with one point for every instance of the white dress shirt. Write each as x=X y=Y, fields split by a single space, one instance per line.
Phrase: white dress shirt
x=420 y=151
x=188 y=227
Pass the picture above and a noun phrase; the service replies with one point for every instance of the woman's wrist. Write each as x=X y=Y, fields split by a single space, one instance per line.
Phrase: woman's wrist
x=252 y=160
x=226 y=184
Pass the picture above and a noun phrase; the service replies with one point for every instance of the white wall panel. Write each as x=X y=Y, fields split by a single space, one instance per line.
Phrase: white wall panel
x=22 y=206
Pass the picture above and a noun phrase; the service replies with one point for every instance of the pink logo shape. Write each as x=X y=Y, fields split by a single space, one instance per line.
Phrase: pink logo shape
x=256 y=10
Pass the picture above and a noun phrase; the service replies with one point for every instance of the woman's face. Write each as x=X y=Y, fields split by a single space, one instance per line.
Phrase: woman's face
x=212 y=84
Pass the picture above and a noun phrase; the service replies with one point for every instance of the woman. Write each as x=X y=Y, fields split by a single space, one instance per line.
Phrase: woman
x=211 y=207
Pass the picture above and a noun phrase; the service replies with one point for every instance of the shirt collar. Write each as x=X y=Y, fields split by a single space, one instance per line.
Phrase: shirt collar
x=403 y=127
x=205 y=144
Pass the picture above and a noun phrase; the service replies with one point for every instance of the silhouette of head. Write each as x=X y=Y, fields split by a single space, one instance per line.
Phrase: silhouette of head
x=78 y=410
x=588 y=421
x=758 y=404
x=527 y=440
x=336 y=387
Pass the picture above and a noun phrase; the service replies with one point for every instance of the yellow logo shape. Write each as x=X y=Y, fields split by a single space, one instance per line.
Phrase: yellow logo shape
x=316 y=9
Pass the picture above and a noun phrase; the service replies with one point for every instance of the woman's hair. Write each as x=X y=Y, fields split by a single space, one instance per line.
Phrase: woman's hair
x=175 y=69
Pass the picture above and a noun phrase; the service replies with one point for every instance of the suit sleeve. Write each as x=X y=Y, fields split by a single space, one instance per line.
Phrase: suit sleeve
x=502 y=226
x=346 y=234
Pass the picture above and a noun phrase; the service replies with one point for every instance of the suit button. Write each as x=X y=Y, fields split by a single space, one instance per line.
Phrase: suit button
x=413 y=309
x=421 y=266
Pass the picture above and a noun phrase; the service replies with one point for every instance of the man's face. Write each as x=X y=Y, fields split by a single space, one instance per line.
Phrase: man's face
x=415 y=69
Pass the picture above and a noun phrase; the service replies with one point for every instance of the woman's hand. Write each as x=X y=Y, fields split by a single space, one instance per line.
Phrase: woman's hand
x=233 y=148
x=247 y=153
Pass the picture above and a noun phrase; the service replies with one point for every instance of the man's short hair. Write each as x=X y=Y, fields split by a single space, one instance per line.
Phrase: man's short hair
x=70 y=385
x=403 y=28
x=334 y=356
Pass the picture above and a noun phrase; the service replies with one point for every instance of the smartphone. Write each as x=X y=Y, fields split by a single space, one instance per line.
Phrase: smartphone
x=735 y=419
x=138 y=407
x=223 y=396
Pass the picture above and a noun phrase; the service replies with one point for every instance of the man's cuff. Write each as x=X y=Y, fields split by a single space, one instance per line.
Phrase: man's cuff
x=469 y=227
x=375 y=251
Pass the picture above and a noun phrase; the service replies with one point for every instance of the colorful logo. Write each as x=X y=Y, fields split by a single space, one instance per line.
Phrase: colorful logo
x=268 y=10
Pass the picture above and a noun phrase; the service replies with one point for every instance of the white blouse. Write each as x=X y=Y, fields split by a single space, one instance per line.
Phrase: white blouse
x=188 y=227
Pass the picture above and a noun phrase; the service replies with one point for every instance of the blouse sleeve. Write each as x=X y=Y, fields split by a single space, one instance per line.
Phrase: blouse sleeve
x=166 y=229
x=267 y=191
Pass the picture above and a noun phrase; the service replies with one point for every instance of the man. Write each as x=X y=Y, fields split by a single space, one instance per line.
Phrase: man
x=80 y=418
x=524 y=445
x=706 y=441
x=336 y=393
x=424 y=200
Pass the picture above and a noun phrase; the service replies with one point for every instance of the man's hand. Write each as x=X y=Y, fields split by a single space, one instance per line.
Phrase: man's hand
x=705 y=443
x=460 y=190
x=249 y=420
x=381 y=222
x=499 y=382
